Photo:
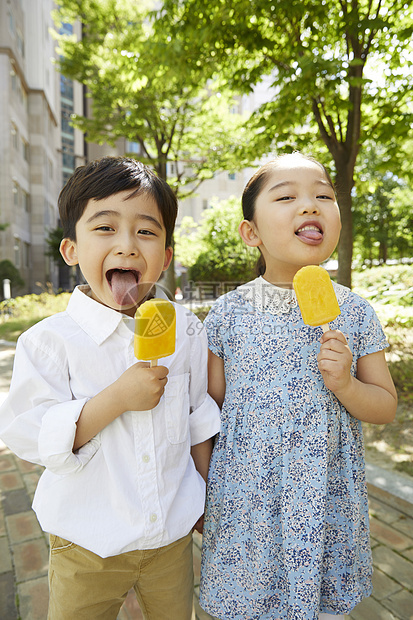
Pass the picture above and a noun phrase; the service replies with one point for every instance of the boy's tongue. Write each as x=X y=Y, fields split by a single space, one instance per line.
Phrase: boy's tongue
x=125 y=288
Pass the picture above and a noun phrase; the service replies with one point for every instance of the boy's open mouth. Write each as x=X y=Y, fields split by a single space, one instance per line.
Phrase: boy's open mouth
x=310 y=233
x=124 y=285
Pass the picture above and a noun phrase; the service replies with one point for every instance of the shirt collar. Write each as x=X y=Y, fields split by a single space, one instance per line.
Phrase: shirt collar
x=97 y=320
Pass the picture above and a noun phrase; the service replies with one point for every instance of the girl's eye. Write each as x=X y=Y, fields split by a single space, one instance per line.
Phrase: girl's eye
x=284 y=198
x=146 y=232
x=323 y=197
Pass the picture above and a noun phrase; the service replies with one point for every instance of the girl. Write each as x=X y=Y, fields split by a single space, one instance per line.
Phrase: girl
x=286 y=534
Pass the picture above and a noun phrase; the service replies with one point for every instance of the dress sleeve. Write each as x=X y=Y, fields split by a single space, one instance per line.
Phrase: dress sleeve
x=212 y=325
x=371 y=335
x=38 y=418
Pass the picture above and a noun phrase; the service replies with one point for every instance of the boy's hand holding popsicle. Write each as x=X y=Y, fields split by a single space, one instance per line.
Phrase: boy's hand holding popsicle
x=141 y=386
x=155 y=326
x=318 y=305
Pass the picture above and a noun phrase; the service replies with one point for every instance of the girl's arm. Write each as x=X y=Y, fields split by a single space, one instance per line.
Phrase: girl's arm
x=371 y=395
x=201 y=454
x=216 y=378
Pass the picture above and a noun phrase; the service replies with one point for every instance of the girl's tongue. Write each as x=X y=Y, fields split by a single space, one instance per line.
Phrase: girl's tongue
x=312 y=234
x=124 y=287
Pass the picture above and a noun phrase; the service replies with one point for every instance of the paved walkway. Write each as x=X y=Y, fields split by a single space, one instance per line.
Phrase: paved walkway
x=24 y=547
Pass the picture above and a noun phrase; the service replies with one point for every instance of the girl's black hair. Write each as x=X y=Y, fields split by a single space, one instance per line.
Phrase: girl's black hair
x=255 y=185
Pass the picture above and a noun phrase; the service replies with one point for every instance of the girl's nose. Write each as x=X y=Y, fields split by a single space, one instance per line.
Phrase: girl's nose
x=309 y=207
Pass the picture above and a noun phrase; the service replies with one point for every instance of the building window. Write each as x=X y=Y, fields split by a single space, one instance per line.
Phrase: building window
x=68 y=161
x=26 y=201
x=25 y=149
x=14 y=136
x=205 y=204
x=66 y=88
x=13 y=80
x=26 y=255
x=231 y=176
x=16 y=194
x=24 y=99
x=133 y=147
x=11 y=22
x=66 y=114
x=17 y=254
x=20 y=42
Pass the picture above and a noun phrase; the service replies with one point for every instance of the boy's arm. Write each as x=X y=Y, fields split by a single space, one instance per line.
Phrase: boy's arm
x=371 y=395
x=139 y=388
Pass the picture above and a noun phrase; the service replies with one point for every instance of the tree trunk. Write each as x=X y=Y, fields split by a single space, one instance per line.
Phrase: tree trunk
x=344 y=184
x=168 y=279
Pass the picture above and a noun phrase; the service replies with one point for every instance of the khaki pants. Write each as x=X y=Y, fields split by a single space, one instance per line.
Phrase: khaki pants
x=84 y=586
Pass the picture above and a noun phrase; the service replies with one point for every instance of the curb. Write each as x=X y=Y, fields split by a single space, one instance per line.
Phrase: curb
x=7 y=343
x=390 y=488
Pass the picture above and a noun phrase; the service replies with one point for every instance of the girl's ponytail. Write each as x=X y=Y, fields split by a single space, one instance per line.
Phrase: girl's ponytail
x=260 y=266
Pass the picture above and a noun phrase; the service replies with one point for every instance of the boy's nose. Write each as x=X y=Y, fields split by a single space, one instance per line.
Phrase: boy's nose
x=126 y=246
x=126 y=253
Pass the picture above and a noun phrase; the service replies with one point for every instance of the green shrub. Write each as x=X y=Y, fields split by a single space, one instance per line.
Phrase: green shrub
x=20 y=313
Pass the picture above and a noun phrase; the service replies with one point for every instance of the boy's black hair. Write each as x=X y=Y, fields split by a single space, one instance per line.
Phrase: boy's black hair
x=107 y=176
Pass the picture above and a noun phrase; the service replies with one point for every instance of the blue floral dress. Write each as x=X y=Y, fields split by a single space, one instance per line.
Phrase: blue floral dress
x=286 y=533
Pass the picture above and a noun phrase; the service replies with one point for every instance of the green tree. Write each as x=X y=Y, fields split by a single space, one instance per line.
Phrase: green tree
x=53 y=240
x=383 y=218
x=10 y=272
x=212 y=248
x=340 y=71
x=138 y=94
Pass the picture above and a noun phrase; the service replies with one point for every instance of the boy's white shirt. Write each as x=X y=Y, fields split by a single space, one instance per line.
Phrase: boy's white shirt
x=134 y=485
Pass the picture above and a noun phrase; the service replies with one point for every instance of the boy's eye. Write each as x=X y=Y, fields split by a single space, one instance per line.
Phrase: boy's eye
x=146 y=232
x=104 y=228
x=284 y=198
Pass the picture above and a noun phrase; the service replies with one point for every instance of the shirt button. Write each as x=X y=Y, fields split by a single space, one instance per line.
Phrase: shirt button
x=153 y=518
x=146 y=458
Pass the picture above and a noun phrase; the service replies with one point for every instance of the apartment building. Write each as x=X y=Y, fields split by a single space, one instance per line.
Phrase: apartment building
x=30 y=141
x=39 y=149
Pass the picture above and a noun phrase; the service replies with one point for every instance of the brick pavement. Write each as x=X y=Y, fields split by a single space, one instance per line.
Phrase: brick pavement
x=24 y=547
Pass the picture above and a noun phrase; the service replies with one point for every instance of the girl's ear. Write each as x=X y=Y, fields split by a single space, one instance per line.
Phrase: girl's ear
x=69 y=252
x=249 y=234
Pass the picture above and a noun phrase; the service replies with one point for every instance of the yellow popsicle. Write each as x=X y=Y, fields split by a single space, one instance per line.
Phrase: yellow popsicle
x=316 y=296
x=155 y=327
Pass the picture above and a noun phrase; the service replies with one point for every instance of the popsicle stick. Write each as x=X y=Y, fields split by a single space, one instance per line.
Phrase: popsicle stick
x=154 y=363
x=325 y=327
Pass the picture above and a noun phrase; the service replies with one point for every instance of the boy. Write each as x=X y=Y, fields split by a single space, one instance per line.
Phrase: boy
x=120 y=493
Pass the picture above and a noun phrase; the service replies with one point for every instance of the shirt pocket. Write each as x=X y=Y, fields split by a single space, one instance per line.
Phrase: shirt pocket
x=177 y=408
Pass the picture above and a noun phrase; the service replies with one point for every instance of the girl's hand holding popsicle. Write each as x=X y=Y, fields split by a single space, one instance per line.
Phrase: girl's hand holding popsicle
x=334 y=361
x=318 y=305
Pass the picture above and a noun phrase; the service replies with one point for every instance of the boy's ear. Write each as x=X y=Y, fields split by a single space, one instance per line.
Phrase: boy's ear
x=249 y=234
x=168 y=257
x=68 y=251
